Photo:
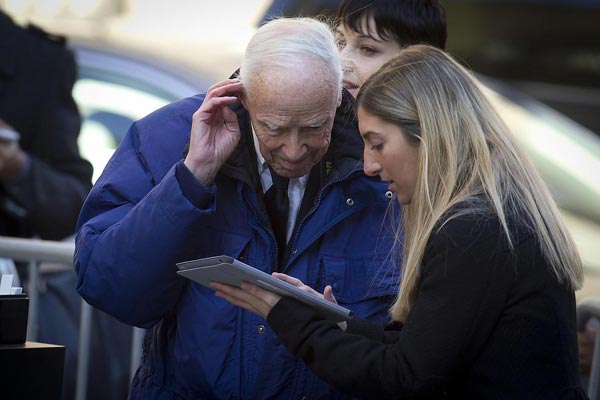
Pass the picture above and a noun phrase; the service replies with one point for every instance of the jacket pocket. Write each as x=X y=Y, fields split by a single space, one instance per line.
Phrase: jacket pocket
x=365 y=285
x=216 y=242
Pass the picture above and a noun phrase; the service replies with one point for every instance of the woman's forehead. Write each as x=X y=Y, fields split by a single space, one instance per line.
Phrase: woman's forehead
x=363 y=26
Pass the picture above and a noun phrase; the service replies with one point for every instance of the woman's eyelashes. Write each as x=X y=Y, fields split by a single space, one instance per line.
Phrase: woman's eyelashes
x=365 y=48
x=368 y=50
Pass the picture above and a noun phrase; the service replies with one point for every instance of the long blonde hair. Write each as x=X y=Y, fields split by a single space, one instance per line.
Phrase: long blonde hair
x=465 y=151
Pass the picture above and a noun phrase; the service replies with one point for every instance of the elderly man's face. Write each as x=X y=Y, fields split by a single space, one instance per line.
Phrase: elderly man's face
x=292 y=115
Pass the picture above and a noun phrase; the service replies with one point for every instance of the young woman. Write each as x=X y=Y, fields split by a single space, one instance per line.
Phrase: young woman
x=369 y=33
x=486 y=307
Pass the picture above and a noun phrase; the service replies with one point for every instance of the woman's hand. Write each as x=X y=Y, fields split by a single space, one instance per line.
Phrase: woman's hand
x=261 y=301
x=327 y=292
x=249 y=297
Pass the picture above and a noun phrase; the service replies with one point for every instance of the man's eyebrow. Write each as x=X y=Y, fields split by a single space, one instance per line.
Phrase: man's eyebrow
x=319 y=122
x=268 y=124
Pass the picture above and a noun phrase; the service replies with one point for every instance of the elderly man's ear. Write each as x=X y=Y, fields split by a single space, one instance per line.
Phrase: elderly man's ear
x=241 y=95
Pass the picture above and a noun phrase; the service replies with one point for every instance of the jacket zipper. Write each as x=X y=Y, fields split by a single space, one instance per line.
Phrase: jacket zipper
x=294 y=240
x=267 y=227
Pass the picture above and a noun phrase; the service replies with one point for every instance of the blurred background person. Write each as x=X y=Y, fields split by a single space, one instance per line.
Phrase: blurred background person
x=43 y=178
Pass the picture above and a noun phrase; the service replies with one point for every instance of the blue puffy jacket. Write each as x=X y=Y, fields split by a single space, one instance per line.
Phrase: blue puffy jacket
x=147 y=212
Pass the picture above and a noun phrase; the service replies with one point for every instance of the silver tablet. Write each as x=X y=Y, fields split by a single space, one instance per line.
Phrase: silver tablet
x=228 y=270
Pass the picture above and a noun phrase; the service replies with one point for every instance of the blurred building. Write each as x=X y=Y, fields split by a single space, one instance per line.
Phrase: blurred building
x=205 y=37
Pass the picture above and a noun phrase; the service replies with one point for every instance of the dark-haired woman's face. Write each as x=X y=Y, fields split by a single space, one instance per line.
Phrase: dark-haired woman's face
x=389 y=155
x=362 y=54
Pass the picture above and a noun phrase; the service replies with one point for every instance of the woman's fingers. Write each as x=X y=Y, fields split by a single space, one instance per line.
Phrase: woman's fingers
x=240 y=298
x=328 y=294
x=237 y=302
x=249 y=297
x=289 y=279
x=264 y=295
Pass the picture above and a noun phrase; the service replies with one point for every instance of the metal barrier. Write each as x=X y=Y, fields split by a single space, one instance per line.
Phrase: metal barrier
x=35 y=251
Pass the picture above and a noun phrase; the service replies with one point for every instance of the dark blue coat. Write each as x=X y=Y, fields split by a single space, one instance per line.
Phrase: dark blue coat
x=147 y=212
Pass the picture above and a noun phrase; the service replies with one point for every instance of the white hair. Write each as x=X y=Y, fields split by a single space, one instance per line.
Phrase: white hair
x=285 y=42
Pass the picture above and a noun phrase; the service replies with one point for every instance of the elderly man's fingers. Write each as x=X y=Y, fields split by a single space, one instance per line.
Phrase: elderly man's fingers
x=210 y=106
x=222 y=83
x=224 y=87
x=230 y=120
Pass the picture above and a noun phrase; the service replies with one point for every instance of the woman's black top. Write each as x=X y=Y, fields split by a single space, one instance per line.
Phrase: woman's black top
x=488 y=322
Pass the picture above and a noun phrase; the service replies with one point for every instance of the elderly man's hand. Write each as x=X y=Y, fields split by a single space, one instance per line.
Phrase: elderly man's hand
x=215 y=131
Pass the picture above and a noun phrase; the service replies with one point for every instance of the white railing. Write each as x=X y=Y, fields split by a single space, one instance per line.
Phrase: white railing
x=35 y=251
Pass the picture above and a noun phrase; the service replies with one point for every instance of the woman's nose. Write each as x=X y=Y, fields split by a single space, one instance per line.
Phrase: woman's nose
x=370 y=166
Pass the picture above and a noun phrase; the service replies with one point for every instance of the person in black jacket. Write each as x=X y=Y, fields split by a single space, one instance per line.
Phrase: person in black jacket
x=43 y=178
x=486 y=307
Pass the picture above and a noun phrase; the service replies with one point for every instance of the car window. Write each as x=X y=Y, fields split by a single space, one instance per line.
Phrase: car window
x=112 y=92
x=567 y=156
x=107 y=111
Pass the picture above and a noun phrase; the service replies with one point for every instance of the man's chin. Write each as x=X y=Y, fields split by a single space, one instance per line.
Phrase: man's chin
x=353 y=91
x=288 y=171
x=294 y=174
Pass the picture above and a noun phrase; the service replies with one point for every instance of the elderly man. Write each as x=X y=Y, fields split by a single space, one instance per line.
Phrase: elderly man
x=272 y=133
